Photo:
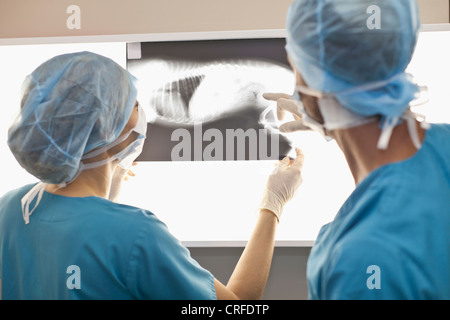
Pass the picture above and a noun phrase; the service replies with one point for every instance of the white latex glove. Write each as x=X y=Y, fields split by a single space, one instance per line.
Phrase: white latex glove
x=285 y=103
x=282 y=184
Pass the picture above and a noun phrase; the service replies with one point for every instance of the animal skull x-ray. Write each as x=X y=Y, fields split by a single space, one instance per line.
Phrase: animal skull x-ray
x=204 y=99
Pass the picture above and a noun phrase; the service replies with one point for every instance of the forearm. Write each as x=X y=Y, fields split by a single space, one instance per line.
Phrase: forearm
x=250 y=275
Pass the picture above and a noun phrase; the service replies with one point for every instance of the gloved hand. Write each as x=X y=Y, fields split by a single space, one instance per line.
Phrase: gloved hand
x=282 y=184
x=285 y=103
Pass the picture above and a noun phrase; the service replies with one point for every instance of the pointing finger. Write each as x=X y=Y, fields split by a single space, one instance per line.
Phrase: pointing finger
x=286 y=105
x=275 y=96
x=298 y=162
x=293 y=126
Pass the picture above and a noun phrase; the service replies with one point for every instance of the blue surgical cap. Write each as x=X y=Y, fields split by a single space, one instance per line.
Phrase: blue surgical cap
x=358 y=50
x=71 y=104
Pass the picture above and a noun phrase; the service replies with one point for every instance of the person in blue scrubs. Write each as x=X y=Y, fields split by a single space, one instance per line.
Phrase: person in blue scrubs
x=391 y=238
x=79 y=130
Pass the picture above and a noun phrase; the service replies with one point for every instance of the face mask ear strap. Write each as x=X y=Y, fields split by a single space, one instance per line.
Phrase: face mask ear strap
x=141 y=128
x=310 y=92
x=308 y=121
x=99 y=151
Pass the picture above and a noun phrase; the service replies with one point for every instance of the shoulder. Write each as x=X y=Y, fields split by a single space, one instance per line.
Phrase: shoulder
x=130 y=221
x=15 y=193
x=158 y=258
x=363 y=269
x=384 y=263
x=441 y=128
x=10 y=202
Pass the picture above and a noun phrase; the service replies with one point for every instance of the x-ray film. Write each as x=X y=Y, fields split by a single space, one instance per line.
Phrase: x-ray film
x=204 y=99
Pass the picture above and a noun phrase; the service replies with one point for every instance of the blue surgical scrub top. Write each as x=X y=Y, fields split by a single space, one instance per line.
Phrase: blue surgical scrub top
x=391 y=238
x=91 y=248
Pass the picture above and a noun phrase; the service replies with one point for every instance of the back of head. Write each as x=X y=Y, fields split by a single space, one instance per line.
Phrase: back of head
x=71 y=104
x=342 y=44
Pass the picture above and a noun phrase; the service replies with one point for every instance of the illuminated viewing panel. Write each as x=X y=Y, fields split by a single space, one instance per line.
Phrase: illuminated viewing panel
x=204 y=99
x=207 y=191
x=213 y=141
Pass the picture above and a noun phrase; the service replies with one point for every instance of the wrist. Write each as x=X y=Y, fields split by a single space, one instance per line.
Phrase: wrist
x=270 y=214
x=273 y=203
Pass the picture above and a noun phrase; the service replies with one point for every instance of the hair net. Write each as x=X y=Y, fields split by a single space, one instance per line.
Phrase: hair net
x=337 y=50
x=71 y=104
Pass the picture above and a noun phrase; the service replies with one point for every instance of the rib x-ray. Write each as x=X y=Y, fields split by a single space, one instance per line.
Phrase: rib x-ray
x=204 y=99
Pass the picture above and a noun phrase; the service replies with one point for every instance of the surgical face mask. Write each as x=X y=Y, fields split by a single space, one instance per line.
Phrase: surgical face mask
x=335 y=116
x=338 y=117
x=125 y=159
x=127 y=156
x=268 y=119
x=307 y=120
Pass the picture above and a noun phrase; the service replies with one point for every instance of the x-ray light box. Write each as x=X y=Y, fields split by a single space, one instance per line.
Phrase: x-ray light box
x=218 y=83
x=210 y=92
